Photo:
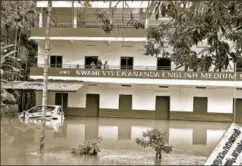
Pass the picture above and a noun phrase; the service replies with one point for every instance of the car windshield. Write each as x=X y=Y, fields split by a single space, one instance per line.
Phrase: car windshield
x=39 y=109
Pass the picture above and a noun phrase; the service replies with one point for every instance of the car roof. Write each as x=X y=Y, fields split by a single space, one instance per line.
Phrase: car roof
x=50 y=105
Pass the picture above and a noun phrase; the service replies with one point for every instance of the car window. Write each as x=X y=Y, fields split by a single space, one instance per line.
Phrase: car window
x=50 y=109
x=38 y=109
x=35 y=109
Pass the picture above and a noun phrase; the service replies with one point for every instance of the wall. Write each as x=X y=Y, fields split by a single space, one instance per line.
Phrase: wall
x=181 y=98
x=74 y=53
x=51 y=98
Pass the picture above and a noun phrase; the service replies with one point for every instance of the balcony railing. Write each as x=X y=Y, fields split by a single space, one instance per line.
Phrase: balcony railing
x=81 y=25
x=114 y=67
x=131 y=67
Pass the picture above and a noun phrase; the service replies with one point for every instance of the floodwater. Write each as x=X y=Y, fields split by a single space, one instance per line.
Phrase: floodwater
x=192 y=141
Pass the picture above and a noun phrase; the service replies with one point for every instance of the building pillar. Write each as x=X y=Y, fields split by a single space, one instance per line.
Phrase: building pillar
x=110 y=12
x=146 y=18
x=75 y=18
x=41 y=18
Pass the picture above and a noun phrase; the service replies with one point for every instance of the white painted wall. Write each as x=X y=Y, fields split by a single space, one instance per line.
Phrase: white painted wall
x=181 y=98
x=75 y=53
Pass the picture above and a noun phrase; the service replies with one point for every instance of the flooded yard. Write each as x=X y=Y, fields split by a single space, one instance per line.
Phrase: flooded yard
x=192 y=141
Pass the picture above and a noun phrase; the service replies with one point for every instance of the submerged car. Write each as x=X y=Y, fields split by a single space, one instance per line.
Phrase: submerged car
x=53 y=112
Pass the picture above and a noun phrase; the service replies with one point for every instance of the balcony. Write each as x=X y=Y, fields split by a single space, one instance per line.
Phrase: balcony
x=139 y=75
x=76 y=33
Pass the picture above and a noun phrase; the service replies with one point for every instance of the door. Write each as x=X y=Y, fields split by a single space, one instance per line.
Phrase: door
x=163 y=64
x=92 y=105
x=89 y=60
x=125 y=102
x=238 y=108
x=200 y=105
x=126 y=63
x=61 y=99
x=162 y=107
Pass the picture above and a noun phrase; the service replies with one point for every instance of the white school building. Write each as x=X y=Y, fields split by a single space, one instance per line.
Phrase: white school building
x=132 y=85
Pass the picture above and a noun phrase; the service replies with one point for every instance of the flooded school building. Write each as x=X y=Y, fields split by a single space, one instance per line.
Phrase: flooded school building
x=126 y=83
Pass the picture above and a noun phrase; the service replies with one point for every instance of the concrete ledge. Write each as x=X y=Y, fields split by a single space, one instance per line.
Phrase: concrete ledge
x=136 y=114
x=208 y=117
x=146 y=114
x=71 y=111
x=89 y=32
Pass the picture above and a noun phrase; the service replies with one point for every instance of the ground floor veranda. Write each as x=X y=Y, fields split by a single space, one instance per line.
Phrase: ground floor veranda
x=149 y=102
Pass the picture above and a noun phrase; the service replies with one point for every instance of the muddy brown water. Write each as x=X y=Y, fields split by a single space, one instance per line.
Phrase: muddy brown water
x=192 y=141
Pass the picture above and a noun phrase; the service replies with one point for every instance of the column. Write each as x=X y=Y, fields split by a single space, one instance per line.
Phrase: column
x=41 y=18
x=146 y=18
x=75 y=18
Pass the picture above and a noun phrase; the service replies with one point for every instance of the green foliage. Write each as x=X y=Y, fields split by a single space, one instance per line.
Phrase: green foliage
x=16 y=17
x=192 y=23
x=155 y=140
x=103 y=17
x=90 y=147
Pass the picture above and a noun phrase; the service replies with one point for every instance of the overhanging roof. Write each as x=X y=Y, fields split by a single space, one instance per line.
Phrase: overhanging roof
x=34 y=85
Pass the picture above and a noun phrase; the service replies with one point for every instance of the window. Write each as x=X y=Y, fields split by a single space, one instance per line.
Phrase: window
x=61 y=99
x=126 y=62
x=163 y=64
x=55 y=61
x=39 y=109
x=125 y=102
x=89 y=60
x=239 y=67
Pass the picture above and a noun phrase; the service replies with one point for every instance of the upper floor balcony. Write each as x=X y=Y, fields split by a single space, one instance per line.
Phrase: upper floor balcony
x=67 y=17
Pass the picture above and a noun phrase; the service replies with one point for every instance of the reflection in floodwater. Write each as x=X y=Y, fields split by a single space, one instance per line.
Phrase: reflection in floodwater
x=192 y=141
x=54 y=124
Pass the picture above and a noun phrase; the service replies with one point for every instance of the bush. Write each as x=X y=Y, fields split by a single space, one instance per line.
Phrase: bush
x=90 y=147
x=156 y=140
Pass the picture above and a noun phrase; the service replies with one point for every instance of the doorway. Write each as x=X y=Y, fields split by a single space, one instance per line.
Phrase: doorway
x=61 y=99
x=162 y=108
x=92 y=105
x=163 y=64
x=125 y=102
x=200 y=105
x=238 y=109
x=89 y=60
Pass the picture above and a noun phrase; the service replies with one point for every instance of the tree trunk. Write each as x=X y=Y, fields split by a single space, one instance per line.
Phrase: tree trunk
x=46 y=61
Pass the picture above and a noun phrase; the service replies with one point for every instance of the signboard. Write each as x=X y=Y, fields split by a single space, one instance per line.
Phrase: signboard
x=150 y=74
x=229 y=150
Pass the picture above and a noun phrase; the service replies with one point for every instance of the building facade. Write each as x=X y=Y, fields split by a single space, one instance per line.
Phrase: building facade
x=130 y=85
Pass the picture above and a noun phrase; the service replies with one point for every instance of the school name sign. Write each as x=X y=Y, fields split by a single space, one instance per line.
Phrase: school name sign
x=229 y=150
x=152 y=74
